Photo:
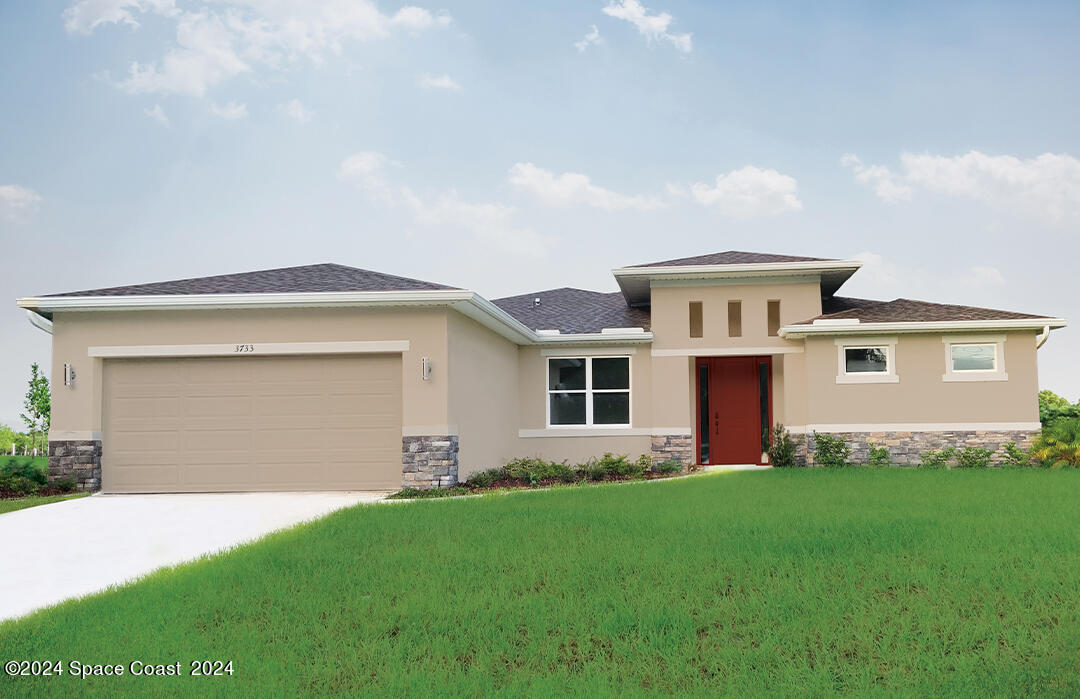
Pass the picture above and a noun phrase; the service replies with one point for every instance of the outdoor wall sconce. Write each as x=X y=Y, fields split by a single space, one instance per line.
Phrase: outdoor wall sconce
x=426 y=365
x=69 y=375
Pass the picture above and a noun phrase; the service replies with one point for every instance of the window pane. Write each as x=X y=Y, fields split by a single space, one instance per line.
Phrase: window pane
x=611 y=373
x=611 y=408
x=734 y=318
x=695 y=319
x=774 y=318
x=866 y=359
x=567 y=408
x=566 y=374
x=973 y=357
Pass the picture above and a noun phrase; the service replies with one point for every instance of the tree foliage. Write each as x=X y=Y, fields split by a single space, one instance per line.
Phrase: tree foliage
x=37 y=406
x=1052 y=407
x=1059 y=444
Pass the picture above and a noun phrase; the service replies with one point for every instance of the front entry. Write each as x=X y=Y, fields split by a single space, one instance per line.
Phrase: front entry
x=734 y=409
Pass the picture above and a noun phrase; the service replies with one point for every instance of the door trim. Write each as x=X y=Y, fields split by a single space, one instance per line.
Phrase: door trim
x=707 y=361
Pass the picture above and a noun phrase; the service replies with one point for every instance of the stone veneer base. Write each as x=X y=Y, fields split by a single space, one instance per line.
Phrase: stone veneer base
x=906 y=448
x=77 y=459
x=429 y=461
x=677 y=447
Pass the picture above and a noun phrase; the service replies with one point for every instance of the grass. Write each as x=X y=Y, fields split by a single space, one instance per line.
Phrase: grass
x=33 y=501
x=802 y=581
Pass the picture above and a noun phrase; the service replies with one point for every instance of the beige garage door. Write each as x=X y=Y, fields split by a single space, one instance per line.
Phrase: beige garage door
x=252 y=423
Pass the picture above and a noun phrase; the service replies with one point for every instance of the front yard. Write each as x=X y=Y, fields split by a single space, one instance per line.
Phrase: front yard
x=785 y=582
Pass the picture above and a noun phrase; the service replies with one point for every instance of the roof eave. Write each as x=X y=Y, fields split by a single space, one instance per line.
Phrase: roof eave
x=856 y=328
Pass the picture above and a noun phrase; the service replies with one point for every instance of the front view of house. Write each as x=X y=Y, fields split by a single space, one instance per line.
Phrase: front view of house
x=328 y=377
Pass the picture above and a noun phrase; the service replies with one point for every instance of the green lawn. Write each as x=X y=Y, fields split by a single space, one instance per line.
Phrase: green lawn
x=807 y=582
x=33 y=501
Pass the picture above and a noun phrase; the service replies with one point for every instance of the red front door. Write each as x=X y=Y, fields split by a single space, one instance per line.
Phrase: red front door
x=734 y=408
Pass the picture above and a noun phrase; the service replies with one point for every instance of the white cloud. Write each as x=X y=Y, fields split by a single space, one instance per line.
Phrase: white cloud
x=592 y=38
x=16 y=201
x=443 y=82
x=654 y=27
x=157 y=114
x=886 y=185
x=875 y=269
x=295 y=109
x=572 y=188
x=86 y=15
x=231 y=111
x=985 y=276
x=1046 y=186
x=489 y=223
x=240 y=36
x=749 y=192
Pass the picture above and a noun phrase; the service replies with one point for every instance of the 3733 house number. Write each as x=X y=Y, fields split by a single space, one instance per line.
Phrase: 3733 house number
x=245 y=348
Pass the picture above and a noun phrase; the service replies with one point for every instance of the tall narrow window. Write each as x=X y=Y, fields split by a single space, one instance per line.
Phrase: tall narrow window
x=763 y=396
x=695 y=319
x=734 y=318
x=774 y=318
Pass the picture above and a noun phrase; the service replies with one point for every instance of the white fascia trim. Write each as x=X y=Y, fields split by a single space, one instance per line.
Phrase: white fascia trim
x=587 y=432
x=746 y=270
x=38 y=322
x=796 y=331
x=468 y=303
x=250 y=350
x=918 y=427
x=623 y=351
x=725 y=351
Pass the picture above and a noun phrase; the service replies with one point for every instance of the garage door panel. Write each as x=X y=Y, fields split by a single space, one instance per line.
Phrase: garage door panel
x=252 y=423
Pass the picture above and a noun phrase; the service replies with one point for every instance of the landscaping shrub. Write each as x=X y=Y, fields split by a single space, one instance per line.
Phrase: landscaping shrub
x=65 y=485
x=486 y=479
x=830 y=451
x=1059 y=444
x=669 y=466
x=973 y=457
x=533 y=470
x=937 y=458
x=1014 y=455
x=782 y=448
x=879 y=456
x=609 y=464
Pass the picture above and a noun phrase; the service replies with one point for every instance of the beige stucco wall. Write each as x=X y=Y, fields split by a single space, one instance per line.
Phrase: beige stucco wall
x=78 y=409
x=671 y=314
x=483 y=400
x=921 y=396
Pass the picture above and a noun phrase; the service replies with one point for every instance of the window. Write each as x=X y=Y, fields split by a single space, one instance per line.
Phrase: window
x=974 y=358
x=774 y=318
x=866 y=360
x=969 y=357
x=696 y=323
x=734 y=318
x=587 y=391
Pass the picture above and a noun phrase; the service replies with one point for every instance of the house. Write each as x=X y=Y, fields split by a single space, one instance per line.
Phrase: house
x=328 y=377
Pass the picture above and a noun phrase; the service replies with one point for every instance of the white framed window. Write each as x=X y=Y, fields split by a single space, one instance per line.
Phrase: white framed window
x=866 y=360
x=974 y=358
x=588 y=391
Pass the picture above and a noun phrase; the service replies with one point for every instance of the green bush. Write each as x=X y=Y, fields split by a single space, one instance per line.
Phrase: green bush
x=534 y=471
x=973 y=457
x=830 y=451
x=1059 y=444
x=782 y=448
x=937 y=458
x=609 y=464
x=65 y=485
x=669 y=466
x=1053 y=407
x=879 y=456
x=15 y=467
x=1014 y=455
x=486 y=479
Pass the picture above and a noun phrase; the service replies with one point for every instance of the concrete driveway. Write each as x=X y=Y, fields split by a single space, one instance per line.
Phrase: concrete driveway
x=70 y=549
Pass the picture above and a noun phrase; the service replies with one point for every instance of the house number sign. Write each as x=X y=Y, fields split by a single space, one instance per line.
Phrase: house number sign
x=245 y=348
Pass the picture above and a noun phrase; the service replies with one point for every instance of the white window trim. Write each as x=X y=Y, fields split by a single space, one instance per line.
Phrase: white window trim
x=996 y=374
x=589 y=391
x=887 y=376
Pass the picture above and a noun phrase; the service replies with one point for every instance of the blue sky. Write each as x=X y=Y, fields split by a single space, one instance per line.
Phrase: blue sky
x=510 y=147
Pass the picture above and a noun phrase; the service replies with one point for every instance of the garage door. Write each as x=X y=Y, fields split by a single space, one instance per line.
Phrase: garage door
x=252 y=423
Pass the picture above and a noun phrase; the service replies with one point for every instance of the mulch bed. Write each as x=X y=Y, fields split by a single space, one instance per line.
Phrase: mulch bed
x=514 y=483
x=44 y=493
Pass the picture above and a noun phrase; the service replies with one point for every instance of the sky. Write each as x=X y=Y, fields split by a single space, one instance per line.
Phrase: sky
x=510 y=147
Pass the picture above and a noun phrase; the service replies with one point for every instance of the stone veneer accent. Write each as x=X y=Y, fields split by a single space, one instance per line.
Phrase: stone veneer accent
x=77 y=459
x=679 y=447
x=429 y=461
x=906 y=448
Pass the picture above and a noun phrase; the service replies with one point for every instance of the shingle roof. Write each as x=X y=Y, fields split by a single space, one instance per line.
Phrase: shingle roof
x=733 y=257
x=908 y=311
x=574 y=311
x=306 y=279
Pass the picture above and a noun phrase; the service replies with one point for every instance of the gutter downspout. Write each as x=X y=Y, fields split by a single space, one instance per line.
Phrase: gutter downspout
x=1041 y=339
x=39 y=322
